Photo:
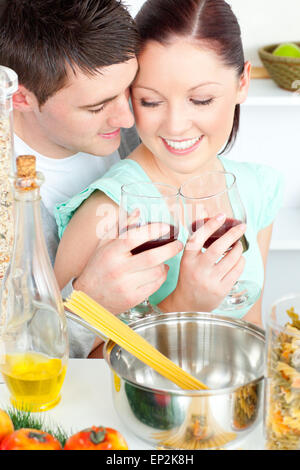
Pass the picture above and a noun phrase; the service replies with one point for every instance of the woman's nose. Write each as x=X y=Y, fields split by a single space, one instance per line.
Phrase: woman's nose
x=121 y=115
x=177 y=121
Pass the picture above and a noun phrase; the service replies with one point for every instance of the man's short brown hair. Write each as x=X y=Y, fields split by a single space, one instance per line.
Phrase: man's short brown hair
x=40 y=38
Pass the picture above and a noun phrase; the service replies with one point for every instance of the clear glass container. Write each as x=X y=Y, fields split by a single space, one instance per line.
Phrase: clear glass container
x=34 y=341
x=282 y=391
x=8 y=86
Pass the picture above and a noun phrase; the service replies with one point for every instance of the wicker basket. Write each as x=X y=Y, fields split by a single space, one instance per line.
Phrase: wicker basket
x=285 y=71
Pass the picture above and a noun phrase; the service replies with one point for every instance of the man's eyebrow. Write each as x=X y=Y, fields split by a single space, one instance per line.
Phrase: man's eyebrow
x=99 y=103
x=107 y=100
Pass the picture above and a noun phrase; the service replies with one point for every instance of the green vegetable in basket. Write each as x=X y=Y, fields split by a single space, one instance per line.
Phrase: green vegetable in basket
x=287 y=50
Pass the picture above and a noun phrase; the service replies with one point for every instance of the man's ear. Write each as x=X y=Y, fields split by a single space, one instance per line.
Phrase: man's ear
x=244 y=83
x=24 y=100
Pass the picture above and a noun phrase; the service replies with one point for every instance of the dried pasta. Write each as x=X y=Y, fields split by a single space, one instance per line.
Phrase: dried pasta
x=283 y=388
x=108 y=324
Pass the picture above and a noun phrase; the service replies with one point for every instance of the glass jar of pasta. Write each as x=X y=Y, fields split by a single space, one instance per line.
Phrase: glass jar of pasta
x=8 y=86
x=282 y=392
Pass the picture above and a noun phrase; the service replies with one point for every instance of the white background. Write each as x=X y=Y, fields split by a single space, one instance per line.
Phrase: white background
x=262 y=22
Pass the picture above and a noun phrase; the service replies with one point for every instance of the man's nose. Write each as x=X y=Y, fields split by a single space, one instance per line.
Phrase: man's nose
x=121 y=116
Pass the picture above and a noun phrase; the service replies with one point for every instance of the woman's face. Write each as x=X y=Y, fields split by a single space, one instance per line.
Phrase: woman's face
x=184 y=99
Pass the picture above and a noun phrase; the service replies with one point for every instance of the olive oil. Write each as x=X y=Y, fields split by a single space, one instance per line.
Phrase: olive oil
x=33 y=327
x=34 y=380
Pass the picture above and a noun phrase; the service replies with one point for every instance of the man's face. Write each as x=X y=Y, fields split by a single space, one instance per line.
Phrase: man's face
x=87 y=113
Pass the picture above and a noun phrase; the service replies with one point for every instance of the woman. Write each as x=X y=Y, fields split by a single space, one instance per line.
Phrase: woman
x=186 y=100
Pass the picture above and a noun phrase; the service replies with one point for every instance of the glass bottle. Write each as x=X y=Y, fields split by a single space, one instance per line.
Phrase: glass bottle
x=8 y=86
x=33 y=326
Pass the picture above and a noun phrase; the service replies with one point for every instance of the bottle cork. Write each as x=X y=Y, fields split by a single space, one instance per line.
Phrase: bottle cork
x=26 y=167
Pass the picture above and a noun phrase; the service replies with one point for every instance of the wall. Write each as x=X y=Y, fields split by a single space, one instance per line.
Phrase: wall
x=262 y=22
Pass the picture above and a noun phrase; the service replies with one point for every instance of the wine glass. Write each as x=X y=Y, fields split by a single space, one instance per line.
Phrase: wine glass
x=204 y=197
x=155 y=202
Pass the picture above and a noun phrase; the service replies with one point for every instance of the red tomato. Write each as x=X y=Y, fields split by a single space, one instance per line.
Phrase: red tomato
x=162 y=400
x=30 y=439
x=96 y=438
x=6 y=425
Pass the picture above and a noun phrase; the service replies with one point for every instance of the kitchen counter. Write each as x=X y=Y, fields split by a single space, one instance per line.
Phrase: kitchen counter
x=87 y=400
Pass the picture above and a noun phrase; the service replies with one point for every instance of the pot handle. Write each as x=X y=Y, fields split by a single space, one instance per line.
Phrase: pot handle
x=80 y=321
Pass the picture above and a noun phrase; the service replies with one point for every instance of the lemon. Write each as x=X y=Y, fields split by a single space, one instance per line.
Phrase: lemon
x=287 y=50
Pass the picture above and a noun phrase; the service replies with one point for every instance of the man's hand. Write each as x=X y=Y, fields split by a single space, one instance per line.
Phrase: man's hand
x=119 y=280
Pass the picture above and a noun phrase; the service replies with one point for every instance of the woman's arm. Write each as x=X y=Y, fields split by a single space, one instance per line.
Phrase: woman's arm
x=254 y=315
x=81 y=237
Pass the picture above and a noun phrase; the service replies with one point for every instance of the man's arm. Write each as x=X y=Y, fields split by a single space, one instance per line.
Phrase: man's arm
x=101 y=262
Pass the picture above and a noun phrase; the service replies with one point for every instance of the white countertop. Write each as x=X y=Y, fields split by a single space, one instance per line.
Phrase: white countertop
x=87 y=400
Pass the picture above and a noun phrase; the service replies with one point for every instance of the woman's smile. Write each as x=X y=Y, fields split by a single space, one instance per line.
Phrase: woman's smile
x=182 y=147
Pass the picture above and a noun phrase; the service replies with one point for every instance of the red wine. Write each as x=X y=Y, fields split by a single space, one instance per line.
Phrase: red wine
x=167 y=238
x=228 y=224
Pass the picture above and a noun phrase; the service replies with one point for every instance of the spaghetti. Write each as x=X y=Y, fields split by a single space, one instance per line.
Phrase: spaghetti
x=109 y=325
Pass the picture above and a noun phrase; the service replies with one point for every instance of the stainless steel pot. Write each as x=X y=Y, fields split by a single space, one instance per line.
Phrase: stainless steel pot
x=224 y=353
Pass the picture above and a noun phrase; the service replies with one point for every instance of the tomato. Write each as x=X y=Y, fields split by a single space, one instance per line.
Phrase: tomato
x=6 y=425
x=30 y=439
x=96 y=438
x=162 y=399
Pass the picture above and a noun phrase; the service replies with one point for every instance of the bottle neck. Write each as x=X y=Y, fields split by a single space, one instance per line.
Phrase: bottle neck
x=29 y=242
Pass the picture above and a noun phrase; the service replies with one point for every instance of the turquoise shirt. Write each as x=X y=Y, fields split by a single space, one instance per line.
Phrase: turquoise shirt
x=261 y=191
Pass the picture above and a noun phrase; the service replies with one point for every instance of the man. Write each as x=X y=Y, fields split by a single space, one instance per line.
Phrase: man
x=75 y=60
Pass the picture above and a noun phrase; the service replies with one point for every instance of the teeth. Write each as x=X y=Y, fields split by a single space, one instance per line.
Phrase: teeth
x=182 y=145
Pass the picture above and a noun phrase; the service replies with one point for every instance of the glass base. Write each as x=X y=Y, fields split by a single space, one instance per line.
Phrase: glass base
x=244 y=294
x=143 y=310
x=34 y=407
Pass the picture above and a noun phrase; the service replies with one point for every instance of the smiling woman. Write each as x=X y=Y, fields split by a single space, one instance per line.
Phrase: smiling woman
x=186 y=98
x=194 y=115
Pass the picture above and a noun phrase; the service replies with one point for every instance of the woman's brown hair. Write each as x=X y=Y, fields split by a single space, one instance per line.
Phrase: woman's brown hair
x=211 y=22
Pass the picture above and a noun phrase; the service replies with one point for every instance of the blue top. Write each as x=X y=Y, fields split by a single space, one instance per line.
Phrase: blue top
x=261 y=191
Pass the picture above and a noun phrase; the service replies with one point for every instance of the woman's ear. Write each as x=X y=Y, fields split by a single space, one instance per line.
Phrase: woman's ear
x=244 y=83
x=24 y=100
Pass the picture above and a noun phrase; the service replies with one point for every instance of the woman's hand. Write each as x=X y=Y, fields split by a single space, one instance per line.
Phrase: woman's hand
x=207 y=277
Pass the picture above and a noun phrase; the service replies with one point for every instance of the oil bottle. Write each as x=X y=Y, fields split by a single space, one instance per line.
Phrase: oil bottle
x=33 y=334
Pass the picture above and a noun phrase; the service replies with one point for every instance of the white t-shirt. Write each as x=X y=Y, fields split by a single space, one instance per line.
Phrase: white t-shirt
x=66 y=177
